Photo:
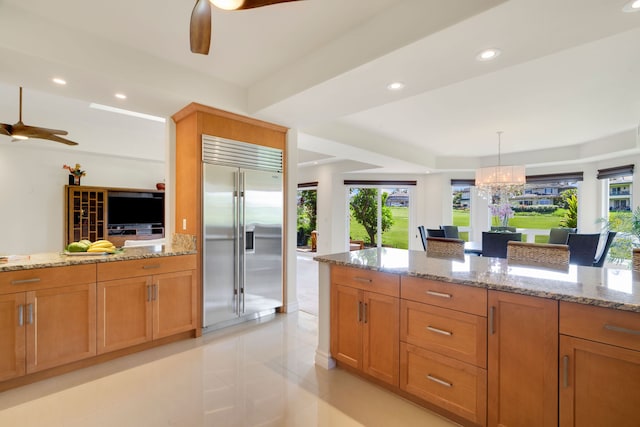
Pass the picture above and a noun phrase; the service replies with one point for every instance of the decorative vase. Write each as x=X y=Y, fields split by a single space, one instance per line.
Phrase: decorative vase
x=74 y=179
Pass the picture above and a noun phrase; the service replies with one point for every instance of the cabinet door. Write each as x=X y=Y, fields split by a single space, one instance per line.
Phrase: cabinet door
x=86 y=214
x=61 y=326
x=12 y=336
x=174 y=303
x=124 y=313
x=522 y=360
x=381 y=337
x=599 y=384
x=346 y=336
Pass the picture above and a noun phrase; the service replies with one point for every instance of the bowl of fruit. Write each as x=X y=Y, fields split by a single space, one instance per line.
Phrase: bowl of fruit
x=87 y=247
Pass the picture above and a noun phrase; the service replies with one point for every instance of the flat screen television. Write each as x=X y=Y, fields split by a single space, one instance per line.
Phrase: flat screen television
x=135 y=208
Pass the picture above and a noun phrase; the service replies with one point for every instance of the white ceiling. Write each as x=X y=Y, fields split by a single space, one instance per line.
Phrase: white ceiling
x=565 y=87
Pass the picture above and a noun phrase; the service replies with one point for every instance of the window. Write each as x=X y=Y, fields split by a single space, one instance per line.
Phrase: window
x=461 y=205
x=379 y=212
x=307 y=212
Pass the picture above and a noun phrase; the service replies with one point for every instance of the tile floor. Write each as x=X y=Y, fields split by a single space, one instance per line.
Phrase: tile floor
x=255 y=374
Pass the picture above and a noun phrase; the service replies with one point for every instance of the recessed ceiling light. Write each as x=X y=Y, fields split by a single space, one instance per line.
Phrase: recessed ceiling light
x=632 y=6
x=59 y=81
x=121 y=96
x=488 y=54
x=395 y=86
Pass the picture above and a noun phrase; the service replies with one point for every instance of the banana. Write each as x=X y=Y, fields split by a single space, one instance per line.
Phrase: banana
x=109 y=250
x=102 y=244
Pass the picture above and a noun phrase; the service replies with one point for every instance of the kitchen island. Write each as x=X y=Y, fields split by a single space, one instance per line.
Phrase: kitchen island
x=61 y=312
x=485 y=341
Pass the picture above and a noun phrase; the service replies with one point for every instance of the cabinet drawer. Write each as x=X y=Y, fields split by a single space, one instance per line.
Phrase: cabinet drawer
x=451 y=333
x=448 y=295
x=145 y=267
x=41 y=278
x=368 y=280
x=621 y=328
x=455 y=386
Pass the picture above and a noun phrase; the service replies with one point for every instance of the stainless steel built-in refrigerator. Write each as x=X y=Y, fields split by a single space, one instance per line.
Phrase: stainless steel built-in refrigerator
x=242 y=220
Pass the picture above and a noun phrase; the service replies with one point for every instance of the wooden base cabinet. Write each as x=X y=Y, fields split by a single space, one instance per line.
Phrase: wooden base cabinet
x=364 y=324
x=522 y=360
x=43 y=323
x=599 y=366
x=140 y=307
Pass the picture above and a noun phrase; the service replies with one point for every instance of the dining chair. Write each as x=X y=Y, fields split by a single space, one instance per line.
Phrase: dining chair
x=538 y=253
x=559 y=236
x=601 y=255
x=445 y=247
x=636 y=259
x=435 y=232
x=450 y=231
x=501 y=228
x=494 y=244
x=423 y=236
x=582 y=248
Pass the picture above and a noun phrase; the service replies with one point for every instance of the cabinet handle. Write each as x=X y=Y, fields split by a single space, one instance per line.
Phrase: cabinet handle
x=439 y=331
x=155 y=292
x=20 y=315
x=362 y=279
x=20 y=282
x=438 y=294
x=365 y=312
x=149 y=267
x=30 y=314
x=621 y=329
x=148 y=293
x=439 y=381
x=492 y=317
x=565 y=371
x=359 y=311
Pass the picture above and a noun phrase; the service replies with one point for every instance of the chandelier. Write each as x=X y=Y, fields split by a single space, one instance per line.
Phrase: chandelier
x=500 y=180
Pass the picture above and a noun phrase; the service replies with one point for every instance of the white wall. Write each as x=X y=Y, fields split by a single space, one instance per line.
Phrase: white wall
x=32 y=194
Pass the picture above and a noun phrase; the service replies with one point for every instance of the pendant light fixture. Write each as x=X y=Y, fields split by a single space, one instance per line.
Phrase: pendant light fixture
x=500 y=180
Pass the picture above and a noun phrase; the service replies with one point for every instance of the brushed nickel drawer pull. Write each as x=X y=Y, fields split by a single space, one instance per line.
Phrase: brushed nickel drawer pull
x=20 y=282
x=364 y=311
x=148 y=293
x=359 y=311
x=155 y=292
x=565 y=371
x=492 y=318
x=438 y=294
x=439 y=331
x=362 y=279
x=20 y=315
x=621 y=329
x=439 y=381
x=149 y=267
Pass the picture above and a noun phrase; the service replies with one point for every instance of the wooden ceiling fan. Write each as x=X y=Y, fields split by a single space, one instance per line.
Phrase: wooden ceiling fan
x=20 y=131
x=200 y=28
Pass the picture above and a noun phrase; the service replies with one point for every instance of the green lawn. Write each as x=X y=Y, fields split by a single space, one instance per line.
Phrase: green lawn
x=397 y=236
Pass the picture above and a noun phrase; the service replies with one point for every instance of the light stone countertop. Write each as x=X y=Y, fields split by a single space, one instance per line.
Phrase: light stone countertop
x=58 y=259
x=603 y=287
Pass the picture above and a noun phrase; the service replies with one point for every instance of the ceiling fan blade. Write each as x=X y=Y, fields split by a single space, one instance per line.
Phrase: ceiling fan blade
x=34 y=130
x=200 y=27
x=56 y=139
x=252 y=4
x=5 y=129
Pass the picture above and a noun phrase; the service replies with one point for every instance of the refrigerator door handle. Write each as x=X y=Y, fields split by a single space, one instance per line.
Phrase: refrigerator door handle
x=238 y=244
x=243 y=233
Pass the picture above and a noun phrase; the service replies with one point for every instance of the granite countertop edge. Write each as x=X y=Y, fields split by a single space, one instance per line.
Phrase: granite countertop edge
x=53 y=259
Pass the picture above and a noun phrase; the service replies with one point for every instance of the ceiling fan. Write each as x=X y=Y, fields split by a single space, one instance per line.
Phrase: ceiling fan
x=200 y=28
x=20 y=131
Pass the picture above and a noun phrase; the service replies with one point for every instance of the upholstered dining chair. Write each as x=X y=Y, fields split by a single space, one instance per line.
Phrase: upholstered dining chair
x=636 y=259
x=494 y=244
x=450 y=231
x=582 y=248
x=445 y=247
x=601 y=255
x=538 y=253
x=435 y=232
x=423 y=236
x=559 y=236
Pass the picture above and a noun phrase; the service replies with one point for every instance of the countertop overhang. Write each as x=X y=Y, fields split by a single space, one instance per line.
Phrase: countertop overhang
x=53 y=259
x=603 y=287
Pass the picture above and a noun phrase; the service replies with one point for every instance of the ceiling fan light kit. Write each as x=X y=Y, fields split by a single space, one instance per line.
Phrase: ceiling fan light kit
x=20 y=132
x=200 y=25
